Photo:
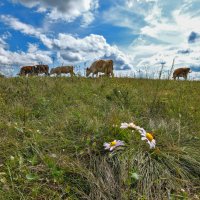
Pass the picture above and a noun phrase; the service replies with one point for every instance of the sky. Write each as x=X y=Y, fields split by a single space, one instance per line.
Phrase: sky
x=138 y=35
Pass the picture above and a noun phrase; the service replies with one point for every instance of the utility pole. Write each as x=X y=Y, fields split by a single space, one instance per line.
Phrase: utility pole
x=162 y=66
x=170 y=73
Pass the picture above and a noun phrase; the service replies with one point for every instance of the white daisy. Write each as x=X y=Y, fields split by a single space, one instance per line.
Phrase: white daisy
x=112 y=145
x=124 y=125
x=142 y=131
x=129 y=125
x=145 y=136
x=149 y=138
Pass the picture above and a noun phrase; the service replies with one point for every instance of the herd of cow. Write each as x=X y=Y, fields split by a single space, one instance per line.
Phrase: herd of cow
x=99 y=66
x=103 y=66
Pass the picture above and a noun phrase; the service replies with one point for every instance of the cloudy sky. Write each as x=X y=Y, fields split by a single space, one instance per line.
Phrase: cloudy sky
x=137 y=34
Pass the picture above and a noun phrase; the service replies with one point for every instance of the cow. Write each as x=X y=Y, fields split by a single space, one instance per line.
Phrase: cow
x=181 y=72
x=102 y=75
x=27 y=70
x=63 y=70
x=40 y=69
x=104 y=66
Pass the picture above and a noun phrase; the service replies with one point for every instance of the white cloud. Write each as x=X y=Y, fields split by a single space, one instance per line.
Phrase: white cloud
x=122 y=17
x=129 y=13
x=89 y=48
x=71 y=49
x=66 y=10
x=9 y=59
x=6 y=35
x=32 y=48
x=165 y=35
x=87 y=19
x=2 y=43
x=163 y=29
x=25 y=28
x=174 y=27
x=17 y=25
x=24 y=58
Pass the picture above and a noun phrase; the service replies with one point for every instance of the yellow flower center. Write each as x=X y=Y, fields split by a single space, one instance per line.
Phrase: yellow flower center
x=149 y=136
x=113 y=143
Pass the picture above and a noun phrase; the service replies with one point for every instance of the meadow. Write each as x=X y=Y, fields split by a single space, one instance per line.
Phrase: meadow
x=53 y=129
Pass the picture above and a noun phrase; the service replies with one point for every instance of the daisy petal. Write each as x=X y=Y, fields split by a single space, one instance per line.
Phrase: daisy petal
x=106 y=145
x=124 y=125
x=111 y=148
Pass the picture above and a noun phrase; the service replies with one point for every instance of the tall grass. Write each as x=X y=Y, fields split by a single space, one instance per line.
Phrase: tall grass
x=53 y=130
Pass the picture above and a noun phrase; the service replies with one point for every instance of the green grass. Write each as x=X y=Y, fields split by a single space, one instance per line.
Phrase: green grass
x=52 y=133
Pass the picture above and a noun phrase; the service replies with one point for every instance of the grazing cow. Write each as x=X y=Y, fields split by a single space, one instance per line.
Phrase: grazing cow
x=104 y=66
x=102 y=75
x=181 y=72
x=40 y=69
x=27 y=70
x=63 y=70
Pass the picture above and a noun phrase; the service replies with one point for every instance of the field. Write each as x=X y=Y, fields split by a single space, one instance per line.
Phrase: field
x=53 y=130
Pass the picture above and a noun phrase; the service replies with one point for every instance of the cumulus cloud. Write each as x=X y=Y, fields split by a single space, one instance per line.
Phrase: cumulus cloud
x=89 y=48
x=9 y=59
x=66 y=10
x=24 y=58
x=165 y=30
x=71 y=49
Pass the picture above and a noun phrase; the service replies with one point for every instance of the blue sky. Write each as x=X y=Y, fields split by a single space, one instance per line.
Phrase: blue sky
x=136 y=34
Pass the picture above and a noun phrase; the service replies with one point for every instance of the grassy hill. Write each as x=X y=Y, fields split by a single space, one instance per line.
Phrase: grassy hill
x=53 y=130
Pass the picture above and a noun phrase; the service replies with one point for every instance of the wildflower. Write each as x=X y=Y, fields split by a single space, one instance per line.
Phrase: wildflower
x=149 y=138
x=182 y=190
x=135 y=176
x=112 y=145
x=132 y=126
x=145 y=136
x=129 y=125
x=142 y=131
x=124 y=125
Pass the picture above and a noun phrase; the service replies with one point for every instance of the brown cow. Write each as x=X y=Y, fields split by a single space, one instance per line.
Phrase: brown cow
x=181 y=72
x=104 y=66
x=40 y=69
x=27 y=70
x=63 y=70
x=102 y=75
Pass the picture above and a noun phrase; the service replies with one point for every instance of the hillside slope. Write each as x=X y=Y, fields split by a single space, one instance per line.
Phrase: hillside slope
x=53 y=131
